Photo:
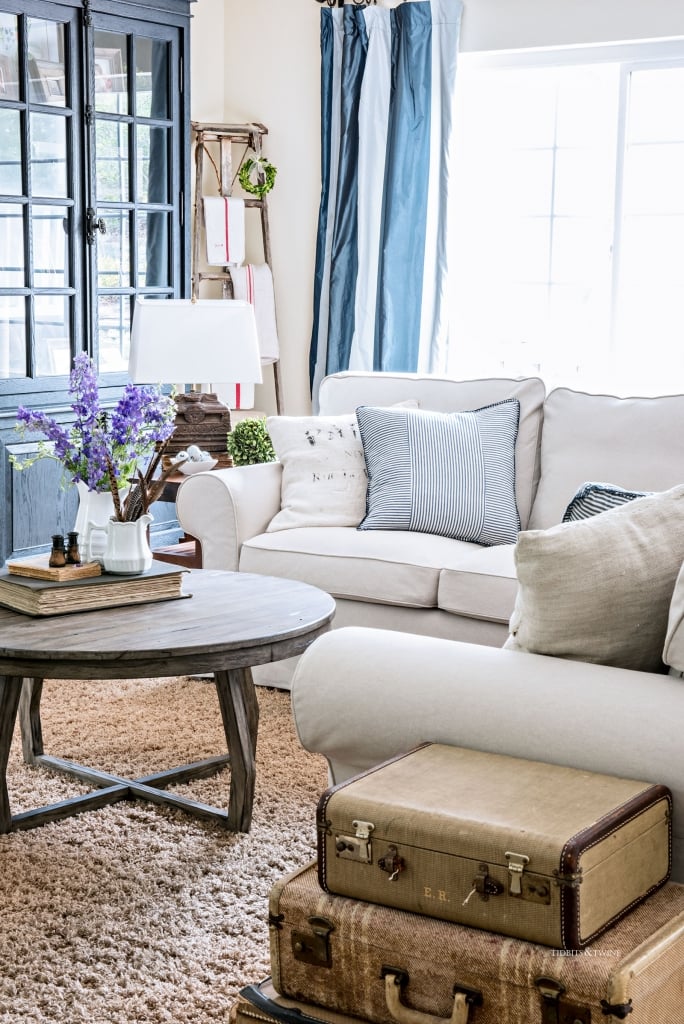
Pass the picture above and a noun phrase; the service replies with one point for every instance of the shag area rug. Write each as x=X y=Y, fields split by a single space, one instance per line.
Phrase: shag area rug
x=136 y=914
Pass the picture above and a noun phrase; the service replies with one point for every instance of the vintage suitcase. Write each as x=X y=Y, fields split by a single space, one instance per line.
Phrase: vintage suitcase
x=536 y=851
x=386 y=965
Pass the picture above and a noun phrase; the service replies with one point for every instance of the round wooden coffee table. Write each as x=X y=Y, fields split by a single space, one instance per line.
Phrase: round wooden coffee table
x=232 y=622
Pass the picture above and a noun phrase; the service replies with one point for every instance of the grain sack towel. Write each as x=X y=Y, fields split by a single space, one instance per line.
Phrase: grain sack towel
x=224 y=224
x=236 y=396
x=254 y=283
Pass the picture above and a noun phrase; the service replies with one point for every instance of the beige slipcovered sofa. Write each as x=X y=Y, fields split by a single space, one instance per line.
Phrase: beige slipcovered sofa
x=420 y=583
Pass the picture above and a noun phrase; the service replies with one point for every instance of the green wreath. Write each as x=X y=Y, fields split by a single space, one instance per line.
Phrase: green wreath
x=259 y=166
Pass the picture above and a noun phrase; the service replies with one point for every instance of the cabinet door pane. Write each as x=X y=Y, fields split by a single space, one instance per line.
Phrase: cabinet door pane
x=10 y=153
x=11 y=245
x=111 y=161
x=52 y=335
x=48 y=155
x=50 y=228
x=154 y=269
x=47 y=72
x=9 y=57
x=111 y=72
x=152 y=179
x=151 y=78
x=113 y=331
x=12 y=336
x=113 y=251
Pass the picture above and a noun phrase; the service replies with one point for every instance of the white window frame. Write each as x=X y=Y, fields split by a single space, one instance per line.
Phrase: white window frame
x=632 y=56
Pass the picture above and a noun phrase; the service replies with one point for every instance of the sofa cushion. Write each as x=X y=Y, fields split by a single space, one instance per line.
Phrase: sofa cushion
x=392 y=567
x=593 y=498
x=599 y=589
x=344 y=392
x=451 y=474
x=324 y=473
x=635 y=443
x=482 y=586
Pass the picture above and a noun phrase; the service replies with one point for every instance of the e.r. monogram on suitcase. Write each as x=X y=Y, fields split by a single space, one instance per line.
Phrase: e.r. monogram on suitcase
x=547 y=853
x=390 y=966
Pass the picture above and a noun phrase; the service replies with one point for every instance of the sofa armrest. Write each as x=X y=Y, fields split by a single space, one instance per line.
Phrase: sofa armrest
x=226 y=507
x=360 y=695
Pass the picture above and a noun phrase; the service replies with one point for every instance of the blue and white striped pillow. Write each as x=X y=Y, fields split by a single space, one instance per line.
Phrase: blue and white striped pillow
x=451 y=474
x=593 y=498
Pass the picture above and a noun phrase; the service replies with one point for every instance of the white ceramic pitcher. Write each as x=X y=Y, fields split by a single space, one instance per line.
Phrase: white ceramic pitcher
x=126 y=549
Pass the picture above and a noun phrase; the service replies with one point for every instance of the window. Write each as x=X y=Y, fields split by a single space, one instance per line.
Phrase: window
x=568 y=221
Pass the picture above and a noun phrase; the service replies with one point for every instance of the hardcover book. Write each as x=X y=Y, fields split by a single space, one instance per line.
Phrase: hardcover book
x=163 y=582
x=38 y=567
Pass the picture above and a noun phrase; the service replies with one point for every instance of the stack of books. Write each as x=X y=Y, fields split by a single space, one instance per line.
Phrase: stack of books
x=31 y=586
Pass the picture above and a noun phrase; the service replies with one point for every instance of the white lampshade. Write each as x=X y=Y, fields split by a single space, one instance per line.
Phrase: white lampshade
x=176 y=341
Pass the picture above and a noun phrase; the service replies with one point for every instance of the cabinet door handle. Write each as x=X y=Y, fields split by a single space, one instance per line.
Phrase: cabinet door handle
x=93 y=225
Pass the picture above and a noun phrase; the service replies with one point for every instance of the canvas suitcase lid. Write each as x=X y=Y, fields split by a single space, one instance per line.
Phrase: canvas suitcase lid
x=479 y=805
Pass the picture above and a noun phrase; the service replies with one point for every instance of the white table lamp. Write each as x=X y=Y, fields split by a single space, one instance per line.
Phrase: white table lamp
x=200 y=342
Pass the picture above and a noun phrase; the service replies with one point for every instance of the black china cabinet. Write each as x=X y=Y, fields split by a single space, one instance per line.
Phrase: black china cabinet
x=94 y=199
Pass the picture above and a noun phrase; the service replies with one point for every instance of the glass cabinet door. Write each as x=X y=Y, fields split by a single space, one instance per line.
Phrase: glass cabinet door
x=39 y=203
x=94 y=175
x=131 y=210
x=93 y=161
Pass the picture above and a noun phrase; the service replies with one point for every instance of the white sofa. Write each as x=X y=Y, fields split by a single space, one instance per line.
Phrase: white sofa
x=425 y=584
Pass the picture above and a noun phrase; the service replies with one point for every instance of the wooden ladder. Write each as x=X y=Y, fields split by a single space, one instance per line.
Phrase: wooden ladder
x=225 y=136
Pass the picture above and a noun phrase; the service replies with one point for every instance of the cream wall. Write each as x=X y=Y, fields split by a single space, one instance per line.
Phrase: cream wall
x=258 y=60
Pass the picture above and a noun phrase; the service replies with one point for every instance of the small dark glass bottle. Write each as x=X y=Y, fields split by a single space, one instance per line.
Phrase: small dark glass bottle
x=73 y=555
x=58 y=554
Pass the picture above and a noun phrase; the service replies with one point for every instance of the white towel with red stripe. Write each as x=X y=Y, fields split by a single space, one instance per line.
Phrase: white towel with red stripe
x=224 y=225
x=254 y=283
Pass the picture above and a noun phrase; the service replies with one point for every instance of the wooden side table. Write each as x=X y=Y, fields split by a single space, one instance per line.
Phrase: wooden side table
x=188 y=550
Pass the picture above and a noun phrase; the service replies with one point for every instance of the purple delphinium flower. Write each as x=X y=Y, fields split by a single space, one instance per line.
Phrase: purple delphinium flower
x=97 y=441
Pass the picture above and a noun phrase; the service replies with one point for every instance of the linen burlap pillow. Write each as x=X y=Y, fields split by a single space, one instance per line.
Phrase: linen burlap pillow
x=324 y=473
x=599 y=589
x=673 y=651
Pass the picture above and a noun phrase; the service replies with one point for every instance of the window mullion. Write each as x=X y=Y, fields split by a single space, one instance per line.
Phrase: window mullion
x=620 y=149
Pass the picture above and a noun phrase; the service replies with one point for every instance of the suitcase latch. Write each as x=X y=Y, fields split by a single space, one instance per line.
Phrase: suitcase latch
x=314 y=948
x=353 y=848
x=516 y=866
x=556 y=1008
x=484 y=885
x=392 y=863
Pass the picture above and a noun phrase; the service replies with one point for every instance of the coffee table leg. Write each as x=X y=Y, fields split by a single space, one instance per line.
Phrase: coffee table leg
x=29 y=717
x=240 y=713
x=10 y=688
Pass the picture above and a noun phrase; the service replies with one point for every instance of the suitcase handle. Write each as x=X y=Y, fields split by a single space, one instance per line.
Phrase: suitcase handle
x=394 y=981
